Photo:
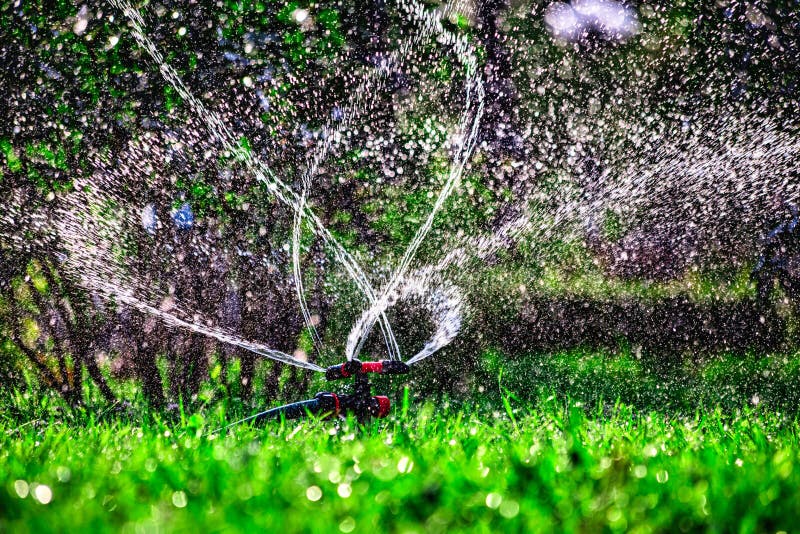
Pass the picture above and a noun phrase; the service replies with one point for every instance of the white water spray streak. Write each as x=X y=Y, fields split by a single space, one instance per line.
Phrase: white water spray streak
x=298 y=274
x=372 y=81
x=741 y=164
x=90 y=252
x=445 y=302
x=743 y=160
x=468 y=128
x=220 y=131
x=329 y=136
x=124 y=296
x=429 y=25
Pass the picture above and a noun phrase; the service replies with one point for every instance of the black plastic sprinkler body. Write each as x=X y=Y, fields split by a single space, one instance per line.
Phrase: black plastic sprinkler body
x=360 y=403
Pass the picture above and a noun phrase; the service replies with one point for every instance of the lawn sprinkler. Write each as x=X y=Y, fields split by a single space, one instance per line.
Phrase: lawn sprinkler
x=361 y=403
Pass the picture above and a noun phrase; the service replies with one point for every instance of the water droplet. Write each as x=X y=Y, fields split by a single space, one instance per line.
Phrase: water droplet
x=313 y=493
x=22 y=489
x=81 y=22
x=63 y=474
x=43 y=494
x=348 y=524
x=344 y=490
x=493 y=500
x=300 y=15
x=405 y=465
x=509 y=509
x=179 y=499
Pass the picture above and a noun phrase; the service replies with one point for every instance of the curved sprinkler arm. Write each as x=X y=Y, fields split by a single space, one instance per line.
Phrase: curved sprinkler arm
x=356 y=367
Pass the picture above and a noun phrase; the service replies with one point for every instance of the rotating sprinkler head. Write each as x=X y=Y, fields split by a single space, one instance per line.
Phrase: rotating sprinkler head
x=359 y=368
x=361 y=403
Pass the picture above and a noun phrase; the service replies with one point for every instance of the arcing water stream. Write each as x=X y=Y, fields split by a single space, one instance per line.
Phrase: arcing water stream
x=685 y=183
x=429 y=24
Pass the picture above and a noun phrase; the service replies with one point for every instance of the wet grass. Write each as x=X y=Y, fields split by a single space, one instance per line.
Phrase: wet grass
x=647 y=382
x=538 y=466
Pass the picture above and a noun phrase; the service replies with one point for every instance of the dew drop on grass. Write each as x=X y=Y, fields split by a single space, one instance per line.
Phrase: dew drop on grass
x=509 y=509
x=614 y=514
x=22 y=489
x=662 y=476
x=150 y=464
x=43 y=494
x=313 y=493
x=344 y=490
x=179 y=499
x=244 y=492
x=348 y=524
x=89 y=492
x=405 y=465
x=493 y=500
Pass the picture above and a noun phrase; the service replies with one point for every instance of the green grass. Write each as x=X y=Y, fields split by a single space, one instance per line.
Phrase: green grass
x=550 y=464
x=541 y=446
x=650 y=382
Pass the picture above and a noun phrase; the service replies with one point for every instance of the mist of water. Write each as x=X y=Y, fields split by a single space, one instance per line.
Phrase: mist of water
x=683 y=185
x=95 y=272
